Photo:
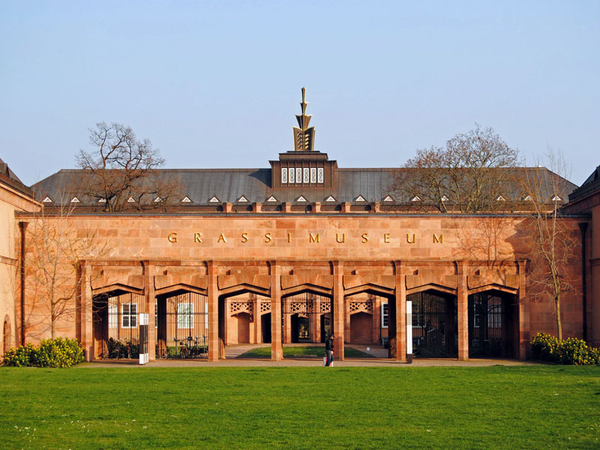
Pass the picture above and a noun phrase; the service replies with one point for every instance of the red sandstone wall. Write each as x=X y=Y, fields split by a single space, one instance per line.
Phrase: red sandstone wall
x=427 y=245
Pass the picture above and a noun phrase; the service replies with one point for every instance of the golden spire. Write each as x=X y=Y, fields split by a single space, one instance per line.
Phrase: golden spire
x=304 y=137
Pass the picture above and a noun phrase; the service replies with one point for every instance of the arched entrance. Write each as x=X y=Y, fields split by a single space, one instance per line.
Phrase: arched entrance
x=492 y=331
x=7 y=335
x=361 y=328
x=435 y=329
x=115 y=324
x=181 y=321
x=306 y=317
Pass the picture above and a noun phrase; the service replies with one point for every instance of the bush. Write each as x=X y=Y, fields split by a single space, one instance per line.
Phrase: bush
x=23 y=356
x=59 y=352
x=570 y=351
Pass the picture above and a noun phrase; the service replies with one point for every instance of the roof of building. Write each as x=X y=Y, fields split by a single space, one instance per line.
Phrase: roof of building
x=218 y=186
x=590 y=186
x=8 y=177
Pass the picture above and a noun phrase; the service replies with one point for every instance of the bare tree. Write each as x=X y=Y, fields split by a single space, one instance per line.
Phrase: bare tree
x=553 y=240
x=469 y=175
x=55 y=248
x=122 y=168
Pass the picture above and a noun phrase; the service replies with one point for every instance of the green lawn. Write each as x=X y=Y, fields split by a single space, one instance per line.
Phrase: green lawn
x=300 y=352
x=343 y=407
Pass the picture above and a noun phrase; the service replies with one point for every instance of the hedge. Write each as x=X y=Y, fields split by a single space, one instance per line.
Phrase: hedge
x=570 y=351
x=58 y=352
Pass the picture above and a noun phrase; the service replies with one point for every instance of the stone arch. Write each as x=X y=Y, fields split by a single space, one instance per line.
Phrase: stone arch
x=306 y=306
x=492 y=321
x=434 y=322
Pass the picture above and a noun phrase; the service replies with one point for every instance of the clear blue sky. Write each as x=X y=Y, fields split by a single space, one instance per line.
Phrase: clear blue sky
x=217 y=83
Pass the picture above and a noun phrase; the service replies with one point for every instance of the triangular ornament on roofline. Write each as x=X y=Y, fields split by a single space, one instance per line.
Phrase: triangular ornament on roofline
x=214 y=199
x=131 y=200
x=388 y=198
x=101 y=200
x=47 y=200
x=301 y=199
x=360 y=198
x=556 y=198
x=500 y=199
x=416 y=198
x=158 y=200
x=186 y=199
x=75 y=200
x=242 y=199
x=331 y=198
x=271 y=199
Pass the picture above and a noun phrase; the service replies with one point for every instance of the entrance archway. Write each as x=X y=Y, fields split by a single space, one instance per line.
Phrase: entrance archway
x=492 y=325
x=240 y=334
x=361 y=328
x=181 y=321
x=266 y=328
x=435 y=328
x=115 y=324
x=303 y=317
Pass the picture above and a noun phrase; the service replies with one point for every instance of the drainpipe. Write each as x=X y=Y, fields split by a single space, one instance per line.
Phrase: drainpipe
x=23 y=227
x=583 y=229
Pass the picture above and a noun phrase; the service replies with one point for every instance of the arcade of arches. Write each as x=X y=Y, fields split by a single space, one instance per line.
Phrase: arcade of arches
x=459 y=310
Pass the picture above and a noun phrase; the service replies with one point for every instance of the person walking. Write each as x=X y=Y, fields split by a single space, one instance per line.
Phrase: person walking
x=329 y=349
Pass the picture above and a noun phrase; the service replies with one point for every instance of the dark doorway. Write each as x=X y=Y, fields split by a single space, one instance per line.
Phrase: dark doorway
x=435 y=329
x=266 y=328
x=300 y=328
x=491 y=325
x=361 y=328
x=325 y=326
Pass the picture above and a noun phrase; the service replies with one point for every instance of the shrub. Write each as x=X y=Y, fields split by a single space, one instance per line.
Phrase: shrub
x=59 y=352
x=570 y=351
x=22 y=356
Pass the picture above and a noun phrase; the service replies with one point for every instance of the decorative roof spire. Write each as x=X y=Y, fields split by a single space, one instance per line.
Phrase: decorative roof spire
x=304 y=137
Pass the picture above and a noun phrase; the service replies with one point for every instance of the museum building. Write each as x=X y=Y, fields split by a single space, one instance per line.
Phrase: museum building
x=290 y=254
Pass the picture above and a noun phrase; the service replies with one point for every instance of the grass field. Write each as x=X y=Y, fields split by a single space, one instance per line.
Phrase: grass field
x=295 y=352
x=352 y=407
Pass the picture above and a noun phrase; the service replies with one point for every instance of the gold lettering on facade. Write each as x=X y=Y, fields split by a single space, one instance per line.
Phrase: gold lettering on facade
x=268 y=238
x=222 y=239
x=437 y=239
x=198 y=237
x=386 y=238
x=172 y=238
x=337 y=238
x=365 y=238
x=414 y=238
x=290 y=238
x=313 y=238
x=244 y=237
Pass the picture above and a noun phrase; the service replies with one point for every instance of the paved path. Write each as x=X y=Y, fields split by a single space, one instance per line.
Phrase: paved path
x=380 y=360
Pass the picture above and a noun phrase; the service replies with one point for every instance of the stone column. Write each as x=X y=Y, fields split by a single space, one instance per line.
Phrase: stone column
x=276 y=345
x=150 y=301
x=257 y=320
x=376 y=318
x=316 y=333
x=287 y=320
x=213 y=312
x=462 y=312
x=347 y=320
x=85 y=312
x=338 y=309
x=400 y=316
x=524 y=332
